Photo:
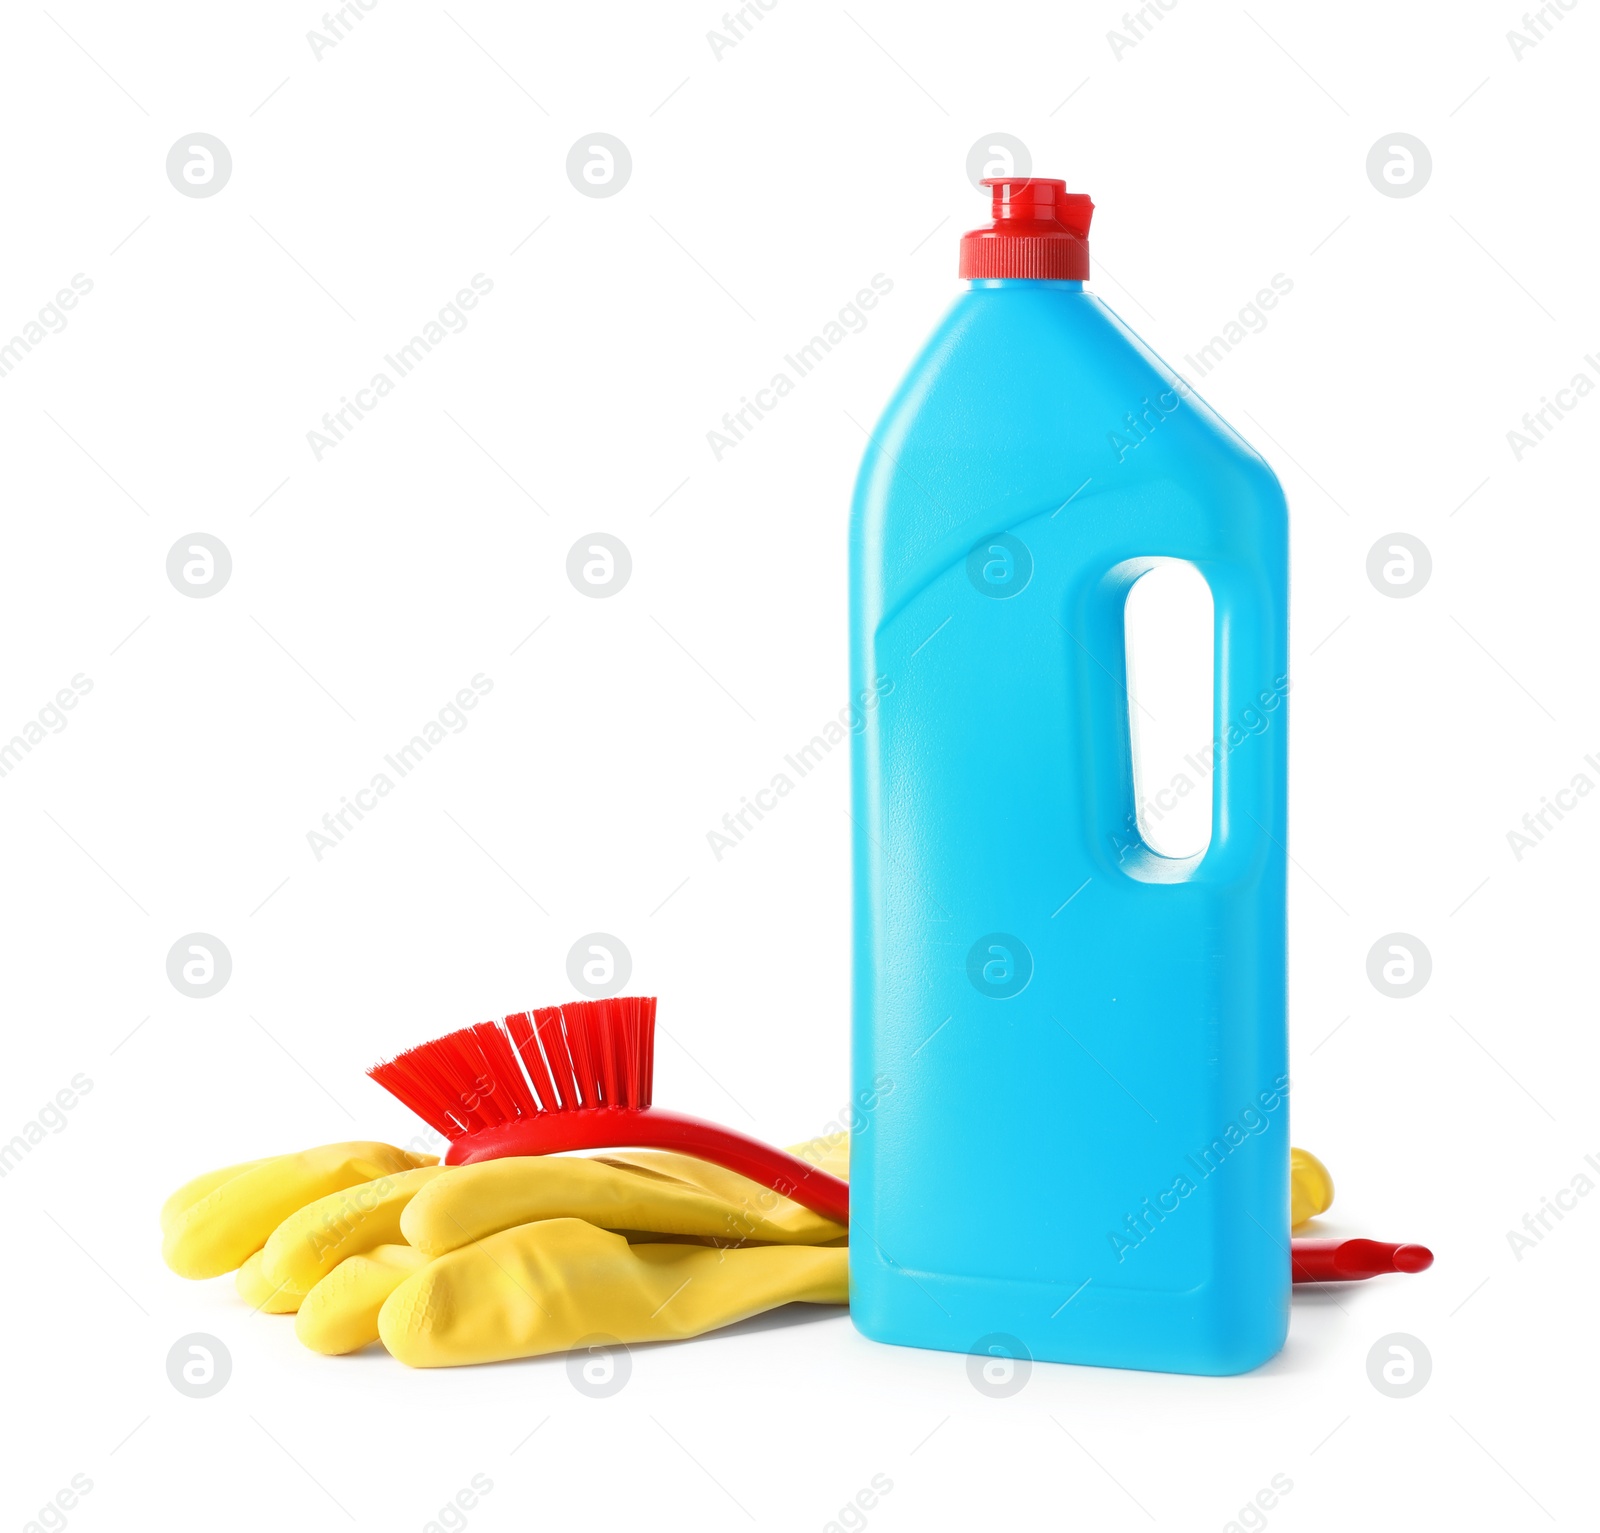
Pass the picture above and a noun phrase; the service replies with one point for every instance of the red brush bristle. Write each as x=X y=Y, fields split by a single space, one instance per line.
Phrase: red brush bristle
x=576 y=1028
x=526 y=1043
x=564 y=1058
x=547 y=1019
x=647 y=1047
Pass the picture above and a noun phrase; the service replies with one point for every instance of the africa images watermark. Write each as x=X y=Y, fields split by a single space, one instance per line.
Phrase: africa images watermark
x=850 y=320
x=51 y=1118
x=452 y=1516
x=852 y=1516
x=850 y=720
x=451 y=718
x=855 y=1118
x=737 y=26
x=340 y=1216
x=1556 y=1207
x=1538 y=25
x=51 y=717
x=1137 y=25
x=1250 y=320
x=338 y=25
x=1254 y=719
x=53 y=1514
x=1252 y=1122
x=1536 y=823
x=1252 y=1516
x=50 y=320
x=403 y=361
x=1538 y=424
x=1137 y=429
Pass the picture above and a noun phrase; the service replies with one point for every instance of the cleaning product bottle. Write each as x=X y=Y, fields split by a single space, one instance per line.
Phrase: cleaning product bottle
x=1075 y=1047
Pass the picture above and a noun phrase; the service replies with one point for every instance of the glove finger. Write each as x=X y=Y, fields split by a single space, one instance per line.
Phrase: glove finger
x=192 y=1191
x=1310 y=1187
x=760 y=1213
x=232 y=1221
x=314 y=1239
x=261 y=1294
x=482 y=1199
x=340 y=1314
x=546 y=1287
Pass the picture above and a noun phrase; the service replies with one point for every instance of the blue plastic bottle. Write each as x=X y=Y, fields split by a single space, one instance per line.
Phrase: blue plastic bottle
x=1071 y=1050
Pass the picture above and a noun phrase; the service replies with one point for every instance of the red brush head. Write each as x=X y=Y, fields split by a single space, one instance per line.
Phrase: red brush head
x=558 y=1059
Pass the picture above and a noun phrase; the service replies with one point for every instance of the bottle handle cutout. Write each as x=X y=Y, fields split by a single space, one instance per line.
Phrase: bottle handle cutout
x=1240 y=762
x=1169 y=621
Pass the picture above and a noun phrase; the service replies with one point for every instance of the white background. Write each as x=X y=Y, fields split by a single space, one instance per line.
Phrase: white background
x=768 y=186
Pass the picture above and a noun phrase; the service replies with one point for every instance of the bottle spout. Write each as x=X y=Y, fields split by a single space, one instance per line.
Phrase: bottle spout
x=1039 y=230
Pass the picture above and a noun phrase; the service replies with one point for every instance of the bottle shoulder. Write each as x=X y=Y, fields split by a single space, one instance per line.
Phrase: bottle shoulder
x=1035 y=385
x=1044 y=407
x=1048 y=368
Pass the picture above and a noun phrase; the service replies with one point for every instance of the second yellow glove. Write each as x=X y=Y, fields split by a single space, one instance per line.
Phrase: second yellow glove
x=216 y=1222
x=547 y=1287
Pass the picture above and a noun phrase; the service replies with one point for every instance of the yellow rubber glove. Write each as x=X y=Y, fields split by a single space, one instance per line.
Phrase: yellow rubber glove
x=655 y=1192
x=313 y=1240
x=1310 y=1187
x=654 y=1196
x=341 y=1313
x=764 y=1214
x=259 y=1294
x=192 y=1192
x=233 y=1212
x=546 y=1287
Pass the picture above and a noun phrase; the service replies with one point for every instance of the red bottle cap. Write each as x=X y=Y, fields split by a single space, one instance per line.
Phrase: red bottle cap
x=1040 y=230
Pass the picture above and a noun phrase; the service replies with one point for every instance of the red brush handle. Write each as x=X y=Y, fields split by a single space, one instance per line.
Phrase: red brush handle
x=1322 y=1259
x=613 y=1128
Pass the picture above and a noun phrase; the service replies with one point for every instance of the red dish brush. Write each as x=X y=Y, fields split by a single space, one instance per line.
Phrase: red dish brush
x=1328 y=1259
x=578 y=1077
